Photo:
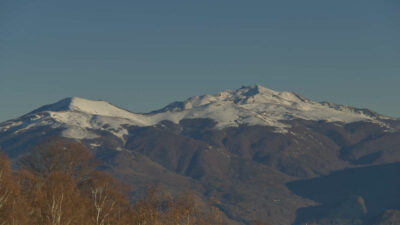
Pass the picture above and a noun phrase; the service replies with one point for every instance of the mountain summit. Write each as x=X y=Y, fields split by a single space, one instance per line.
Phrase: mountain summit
x=94 y=107
x=256 y=105
x=248 y=105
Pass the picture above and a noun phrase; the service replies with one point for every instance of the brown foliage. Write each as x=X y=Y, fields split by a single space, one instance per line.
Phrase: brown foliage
x=11 y=207
x=58 y=185
x=107 y=202
x=58 y=200
x=158 y=208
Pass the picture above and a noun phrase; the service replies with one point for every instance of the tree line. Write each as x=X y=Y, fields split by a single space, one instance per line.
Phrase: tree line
x=57 y=184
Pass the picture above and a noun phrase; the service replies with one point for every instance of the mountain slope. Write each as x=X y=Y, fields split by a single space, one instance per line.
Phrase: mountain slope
x=240 y=147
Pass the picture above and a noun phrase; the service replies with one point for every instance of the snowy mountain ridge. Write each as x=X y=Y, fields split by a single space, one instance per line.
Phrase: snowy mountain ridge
x=250 y=105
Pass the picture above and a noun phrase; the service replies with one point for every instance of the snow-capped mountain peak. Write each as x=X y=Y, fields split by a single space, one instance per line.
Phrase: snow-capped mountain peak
x=254 y=94
x=248 y=105
x=93 y=107
x=77 y=116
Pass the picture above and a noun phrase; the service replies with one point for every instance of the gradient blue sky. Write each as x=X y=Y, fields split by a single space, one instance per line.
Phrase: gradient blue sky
x=142 y=55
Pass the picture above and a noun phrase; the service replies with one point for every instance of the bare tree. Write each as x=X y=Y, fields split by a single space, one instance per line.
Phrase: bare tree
x=183 y=210
x=108 y=204
x=62 y=202
x=54 y=199
x=11 y=206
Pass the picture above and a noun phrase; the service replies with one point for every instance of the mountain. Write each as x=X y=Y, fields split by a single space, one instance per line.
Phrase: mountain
x=253 y=149
x=253 y=105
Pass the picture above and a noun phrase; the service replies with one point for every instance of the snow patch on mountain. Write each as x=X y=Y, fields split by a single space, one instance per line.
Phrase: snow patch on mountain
x=256 y=105
x=251 y=105
x=90 y=107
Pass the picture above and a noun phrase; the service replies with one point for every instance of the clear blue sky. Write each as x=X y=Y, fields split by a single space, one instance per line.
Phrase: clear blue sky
x=142 y=55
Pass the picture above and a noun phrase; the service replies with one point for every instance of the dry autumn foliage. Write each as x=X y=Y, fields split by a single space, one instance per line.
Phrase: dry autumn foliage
x=11 y=204
x=57 y=184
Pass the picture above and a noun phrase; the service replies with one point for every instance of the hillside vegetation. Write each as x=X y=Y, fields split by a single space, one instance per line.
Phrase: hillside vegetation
x=58 y=184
